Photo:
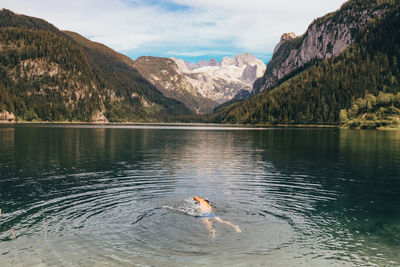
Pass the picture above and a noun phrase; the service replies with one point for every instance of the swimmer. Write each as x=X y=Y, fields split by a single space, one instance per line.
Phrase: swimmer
x=207 y=214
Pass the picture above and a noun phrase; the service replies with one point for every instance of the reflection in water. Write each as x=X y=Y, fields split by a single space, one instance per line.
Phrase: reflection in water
x=123 y=195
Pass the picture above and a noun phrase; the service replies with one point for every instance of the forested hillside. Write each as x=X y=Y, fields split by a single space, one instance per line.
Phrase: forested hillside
x=49 y=75
x=128 y=96
x=317 y=94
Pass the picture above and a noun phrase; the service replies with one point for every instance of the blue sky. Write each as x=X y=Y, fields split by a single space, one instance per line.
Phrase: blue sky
x=188 y=29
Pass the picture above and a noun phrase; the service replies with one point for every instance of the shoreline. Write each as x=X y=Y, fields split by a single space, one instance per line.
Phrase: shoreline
x=255 y=126
x=259 y=125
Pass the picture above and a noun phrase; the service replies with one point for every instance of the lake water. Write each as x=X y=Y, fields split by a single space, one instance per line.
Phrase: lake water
x=123 y=195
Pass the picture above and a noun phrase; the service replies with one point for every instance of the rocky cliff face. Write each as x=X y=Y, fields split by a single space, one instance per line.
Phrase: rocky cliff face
x=204 y=85
x=285 y=37
x=325 y=37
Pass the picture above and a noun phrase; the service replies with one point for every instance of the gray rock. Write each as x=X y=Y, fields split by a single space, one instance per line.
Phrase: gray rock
x=249 y=74
x=322 y=40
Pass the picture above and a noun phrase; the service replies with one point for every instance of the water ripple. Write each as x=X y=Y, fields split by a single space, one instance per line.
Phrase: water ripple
x=117 y=196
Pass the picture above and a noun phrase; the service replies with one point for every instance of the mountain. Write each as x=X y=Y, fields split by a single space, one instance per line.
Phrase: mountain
x=326 y=37
x=222 y=81
x=202 y=63
x=362 y=58
x=166 y=76
x=50 y=75
x=240 y=96
x=204 y=85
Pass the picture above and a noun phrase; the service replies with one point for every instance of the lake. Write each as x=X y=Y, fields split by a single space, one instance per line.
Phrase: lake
x=97 y=195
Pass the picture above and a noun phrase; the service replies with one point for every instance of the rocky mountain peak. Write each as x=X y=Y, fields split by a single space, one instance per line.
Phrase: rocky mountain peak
x=226 y=61
x=285 y=37
x=182 y=65
x=288 y=36
x=213 y=62
x=245 y=59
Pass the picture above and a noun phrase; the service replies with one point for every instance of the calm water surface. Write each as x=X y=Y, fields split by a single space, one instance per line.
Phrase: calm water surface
x=105 y=196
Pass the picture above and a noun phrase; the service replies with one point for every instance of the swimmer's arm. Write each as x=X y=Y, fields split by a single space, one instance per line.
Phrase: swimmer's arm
x=236 y=227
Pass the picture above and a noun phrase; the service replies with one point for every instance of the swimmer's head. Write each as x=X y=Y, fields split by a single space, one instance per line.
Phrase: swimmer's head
x=198 y=199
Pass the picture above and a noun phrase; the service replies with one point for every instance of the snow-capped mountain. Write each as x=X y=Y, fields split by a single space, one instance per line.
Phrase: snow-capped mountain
x=204 y=85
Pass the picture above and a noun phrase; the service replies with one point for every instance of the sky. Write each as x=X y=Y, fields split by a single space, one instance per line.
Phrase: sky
x=188 y=29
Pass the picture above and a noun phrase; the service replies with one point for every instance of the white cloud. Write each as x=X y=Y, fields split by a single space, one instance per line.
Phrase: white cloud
x=205 y=26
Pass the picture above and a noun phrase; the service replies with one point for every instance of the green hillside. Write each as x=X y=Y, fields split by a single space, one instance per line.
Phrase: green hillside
x=116 y=71
x=317 y=94
x=49 y=75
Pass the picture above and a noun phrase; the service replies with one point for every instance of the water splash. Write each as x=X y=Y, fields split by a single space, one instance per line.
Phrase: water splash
x=188 y=207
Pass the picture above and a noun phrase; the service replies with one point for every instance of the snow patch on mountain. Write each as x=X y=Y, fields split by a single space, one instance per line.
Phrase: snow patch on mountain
x=221 y=81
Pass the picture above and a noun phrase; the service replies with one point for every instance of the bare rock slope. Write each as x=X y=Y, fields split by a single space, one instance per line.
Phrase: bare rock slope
x=325 y=37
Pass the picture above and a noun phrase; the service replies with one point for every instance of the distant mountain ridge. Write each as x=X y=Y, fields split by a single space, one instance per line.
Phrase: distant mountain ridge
x=244 y=67
x=222 y=81
x=204 y=85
